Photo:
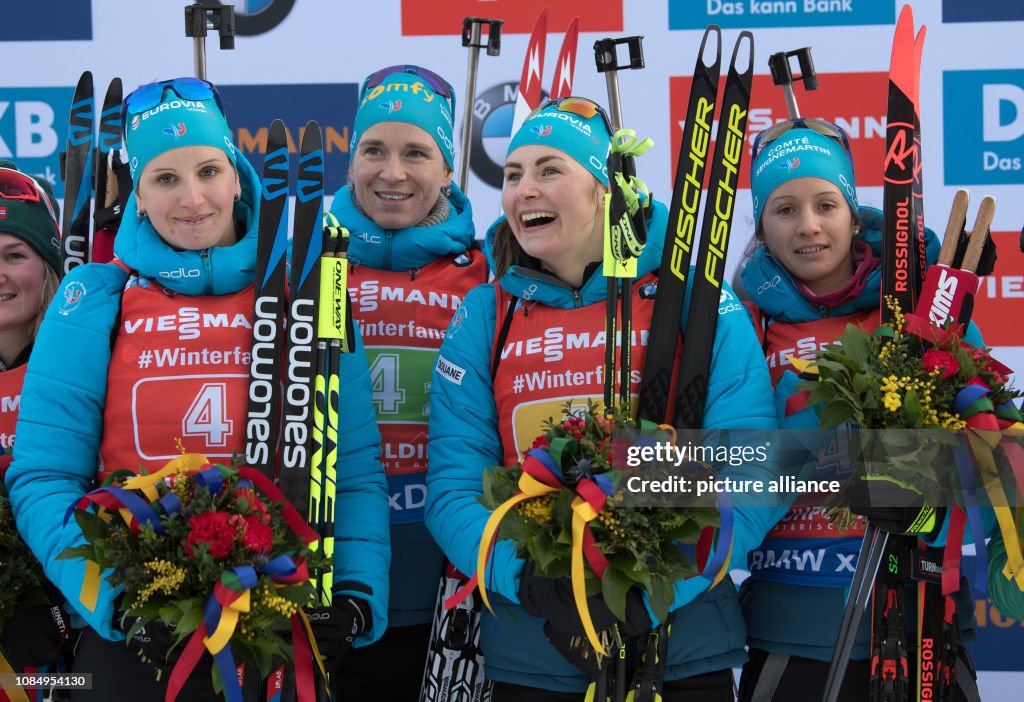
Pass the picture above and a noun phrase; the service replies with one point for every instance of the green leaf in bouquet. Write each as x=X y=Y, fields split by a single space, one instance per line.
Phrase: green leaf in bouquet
x=614 y=587
x=660 y=596
x=855 y=345
x=629 y=566
x=863 y=384
x=834 y=413
x=688 y=531
x=93 y=528
x=542 y=552
x=912 y=407
x=191 y=613
x=76 y=552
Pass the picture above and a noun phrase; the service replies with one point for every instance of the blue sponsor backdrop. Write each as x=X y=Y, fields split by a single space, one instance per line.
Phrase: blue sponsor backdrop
x=251 y=108
x=998 y=644
x=749 y=14
x=983 y=139
x=982 y=10
x=46 y=20
x=33 y=130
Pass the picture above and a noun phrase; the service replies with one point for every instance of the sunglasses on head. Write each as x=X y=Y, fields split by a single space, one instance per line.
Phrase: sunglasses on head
x=438 y=84
x=580 y=106
x=149 y=96
x=769 y=135
x=15 y=185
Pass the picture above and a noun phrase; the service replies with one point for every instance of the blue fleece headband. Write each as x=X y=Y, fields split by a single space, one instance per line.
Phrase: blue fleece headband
x=801 y=153
x=174 y=123
x=586 y=140
x=406 y=97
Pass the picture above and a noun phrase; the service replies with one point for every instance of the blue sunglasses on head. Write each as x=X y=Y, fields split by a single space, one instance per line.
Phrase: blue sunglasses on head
x=149 y=96
x=438 y=84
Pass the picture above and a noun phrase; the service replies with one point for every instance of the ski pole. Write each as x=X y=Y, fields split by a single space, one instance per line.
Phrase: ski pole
x=868 y=560
x=606 y=57
x=782 y=74
x=471 y=38
x=198 y=19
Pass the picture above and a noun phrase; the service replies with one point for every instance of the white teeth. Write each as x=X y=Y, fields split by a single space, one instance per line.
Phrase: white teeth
x=393 y=196
x=811 y=249
x=530 y=216
x=5 y=298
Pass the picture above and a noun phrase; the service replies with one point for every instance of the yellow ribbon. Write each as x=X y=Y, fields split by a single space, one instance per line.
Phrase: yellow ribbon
x=802 y=365
x=312 y=642
x=529 y=488
x=982 y=442
x=186 y=463
x=90 y=585
x=14 y=693
x=226 y=626
x=582 y=512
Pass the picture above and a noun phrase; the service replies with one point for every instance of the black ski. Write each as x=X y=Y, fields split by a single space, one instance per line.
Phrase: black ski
x=653 y=403
x=77 y=174
x=714 y=241
x=269 y=305
x=307 y=246
x=106 y=186
x=900 y=267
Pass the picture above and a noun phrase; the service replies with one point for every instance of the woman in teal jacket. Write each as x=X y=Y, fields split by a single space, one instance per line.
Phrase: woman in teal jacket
x=412 y=261
x=814 y=268
x=487 y=403
x=110 y=383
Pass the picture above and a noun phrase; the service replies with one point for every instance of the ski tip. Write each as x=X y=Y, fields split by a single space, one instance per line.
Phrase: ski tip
x=85 y=81
x=749 y=37
x=716 y=31
x=906 y=15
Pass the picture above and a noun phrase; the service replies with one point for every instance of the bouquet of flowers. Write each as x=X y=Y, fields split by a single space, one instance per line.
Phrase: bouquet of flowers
x=563 y=505
x=208 y=551
x=21 y=576
x=911 y=397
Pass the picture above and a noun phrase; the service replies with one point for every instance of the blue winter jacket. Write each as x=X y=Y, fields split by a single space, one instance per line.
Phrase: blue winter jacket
x=770 y=606
x=464 y=441
x=417 y=563
x=60 y=426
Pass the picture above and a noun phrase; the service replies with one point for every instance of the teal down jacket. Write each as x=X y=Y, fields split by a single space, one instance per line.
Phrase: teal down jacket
x=60 y=426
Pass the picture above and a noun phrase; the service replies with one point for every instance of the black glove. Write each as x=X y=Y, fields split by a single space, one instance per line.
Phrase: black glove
x=33 y=636
x=337 y=626
x=153 y=644
x=553 y=600
x=893 y=506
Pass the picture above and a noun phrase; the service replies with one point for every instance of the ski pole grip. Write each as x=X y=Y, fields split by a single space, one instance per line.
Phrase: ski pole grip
x=472 y=31
x=607 y=58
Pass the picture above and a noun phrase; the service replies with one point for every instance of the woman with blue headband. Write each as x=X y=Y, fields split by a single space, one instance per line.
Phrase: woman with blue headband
x=814 y=267
x=412 y=261
x=186 y=245
x=546 y=252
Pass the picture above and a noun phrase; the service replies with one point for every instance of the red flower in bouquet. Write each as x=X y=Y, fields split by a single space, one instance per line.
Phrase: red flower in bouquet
x=936 y=360
x=258 y=538
x=213 y=529
x=249 y=503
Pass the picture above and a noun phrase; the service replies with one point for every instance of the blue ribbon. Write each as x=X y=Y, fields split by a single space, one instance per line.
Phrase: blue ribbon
x=965 y=469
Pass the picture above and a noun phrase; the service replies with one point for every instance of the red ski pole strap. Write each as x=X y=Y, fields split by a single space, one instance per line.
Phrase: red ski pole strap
x=953 y=549
x=291 y=516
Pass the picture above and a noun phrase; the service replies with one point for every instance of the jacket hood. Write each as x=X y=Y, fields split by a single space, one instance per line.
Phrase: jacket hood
x=771 y=287
x=215 y=271
x=404 y=249
x=526 y=279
